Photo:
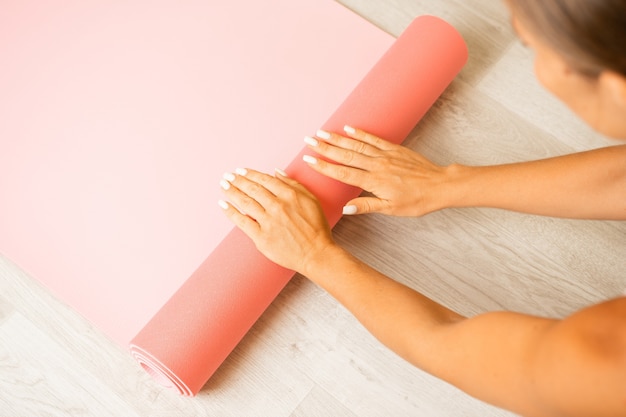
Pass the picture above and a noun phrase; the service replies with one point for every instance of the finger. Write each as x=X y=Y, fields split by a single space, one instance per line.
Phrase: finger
x=280 y=173
x=368 y=138
x=274 y=187
x=282 y=176
x=286 y=179
x=363 y=205
x=248 y=225
x=347 y=175
x=240 y=198
x=254 y=184
x=338 y=154
x=344 y=142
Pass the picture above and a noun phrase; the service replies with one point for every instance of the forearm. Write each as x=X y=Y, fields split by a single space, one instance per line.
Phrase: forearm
x=590 y=185
x=401 y=318
x=504 y=358
x=480 y=355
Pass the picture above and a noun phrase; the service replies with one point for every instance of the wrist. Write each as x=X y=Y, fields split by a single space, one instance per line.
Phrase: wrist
x=456 y=189
x=319 y=260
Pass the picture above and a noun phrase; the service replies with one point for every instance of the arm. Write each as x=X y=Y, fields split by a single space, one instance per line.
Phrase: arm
x=588 y=185
x=533 y=366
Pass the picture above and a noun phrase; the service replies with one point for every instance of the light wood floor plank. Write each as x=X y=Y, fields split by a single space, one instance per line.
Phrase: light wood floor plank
x=38 y=377
x=319 y=403
x=483 y=24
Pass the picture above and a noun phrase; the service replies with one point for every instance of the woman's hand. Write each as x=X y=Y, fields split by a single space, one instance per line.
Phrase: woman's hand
x=403 y=182
x=280 y=215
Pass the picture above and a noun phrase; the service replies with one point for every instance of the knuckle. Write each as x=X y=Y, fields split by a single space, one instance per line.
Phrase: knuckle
x=246 y=202
x=322 y=146
x=360 y=147
x=380 y=163
x=265 y=179
x=273 y=206
x=342 y=174
x=291 y=194
x=376 y=140
x=398 y=152
x=254 y=188
x=388 y=207
x=276 y=209
x=347 y=156
x=342 y=142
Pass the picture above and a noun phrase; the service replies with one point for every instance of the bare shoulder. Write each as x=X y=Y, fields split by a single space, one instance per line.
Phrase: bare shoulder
x=580 y=365
x=600 y=329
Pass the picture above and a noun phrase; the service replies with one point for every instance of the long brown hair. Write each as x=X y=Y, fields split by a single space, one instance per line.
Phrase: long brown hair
x=589 y=34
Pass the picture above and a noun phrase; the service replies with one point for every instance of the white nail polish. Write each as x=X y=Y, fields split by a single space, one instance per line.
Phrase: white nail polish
x=349 y=130
x=349 y=210
x=281 y=172
x=309 y=159
x=311 y=141
x=223 y=204
x=229 y=177
x=241 y=171
x=225 y=184
x=322 y=134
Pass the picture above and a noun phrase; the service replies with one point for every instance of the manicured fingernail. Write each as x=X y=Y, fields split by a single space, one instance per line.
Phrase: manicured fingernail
x=349 y=130
x=349 y=210
x=322 y=134
x=311 y=141
x=281 y=172
x=225 y=184
x=229 y=177
x=241 y=171
x=309 y=159
x=223 y=204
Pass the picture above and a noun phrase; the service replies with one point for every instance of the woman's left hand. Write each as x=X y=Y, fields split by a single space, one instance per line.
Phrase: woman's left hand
x=280 y=215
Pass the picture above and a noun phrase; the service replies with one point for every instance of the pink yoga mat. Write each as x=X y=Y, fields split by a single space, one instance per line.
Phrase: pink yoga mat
x=198 y=327
x=119 y=117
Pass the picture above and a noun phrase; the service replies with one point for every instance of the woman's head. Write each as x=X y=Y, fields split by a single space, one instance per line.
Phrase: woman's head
x=590 y=34
x=580 y=50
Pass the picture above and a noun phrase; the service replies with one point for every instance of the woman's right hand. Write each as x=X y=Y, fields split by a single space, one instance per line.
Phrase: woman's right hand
x=284 y=219
x=403 y=182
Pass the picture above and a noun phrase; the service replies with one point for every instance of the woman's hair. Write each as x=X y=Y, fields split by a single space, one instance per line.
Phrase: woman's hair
x=589 y=34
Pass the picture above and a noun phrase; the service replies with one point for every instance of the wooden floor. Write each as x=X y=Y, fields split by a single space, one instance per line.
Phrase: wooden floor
x=307 y=356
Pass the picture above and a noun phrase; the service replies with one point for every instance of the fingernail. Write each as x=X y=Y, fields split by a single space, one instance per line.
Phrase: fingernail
x=309 y=159
x=322 y=134
x=225 y=184
x=241 y=171
x=311 y=141
x=229 y=177
x=281 y=172
x=223 y=204
x=349 y=210
x=349 y=130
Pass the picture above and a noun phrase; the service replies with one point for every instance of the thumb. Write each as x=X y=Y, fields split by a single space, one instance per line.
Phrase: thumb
x=363 y=205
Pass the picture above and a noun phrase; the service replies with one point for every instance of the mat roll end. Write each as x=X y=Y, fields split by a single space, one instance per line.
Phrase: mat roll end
x=159 y=372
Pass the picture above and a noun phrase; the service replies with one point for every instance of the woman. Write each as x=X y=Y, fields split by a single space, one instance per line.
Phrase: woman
x=533 y=366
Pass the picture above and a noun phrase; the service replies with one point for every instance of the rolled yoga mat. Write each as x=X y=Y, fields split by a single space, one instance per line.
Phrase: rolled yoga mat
x=188 y=339
x=117 y=115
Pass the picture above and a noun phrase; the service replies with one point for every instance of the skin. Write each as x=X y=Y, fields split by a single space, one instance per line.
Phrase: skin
x=534 y=366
